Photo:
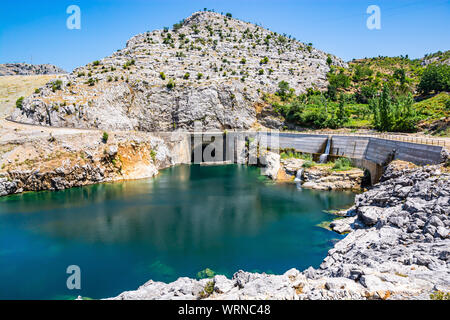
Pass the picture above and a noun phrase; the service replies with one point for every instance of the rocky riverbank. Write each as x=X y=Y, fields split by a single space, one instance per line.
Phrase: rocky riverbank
x=72 y=159
x=313 y=176
x=397 y=248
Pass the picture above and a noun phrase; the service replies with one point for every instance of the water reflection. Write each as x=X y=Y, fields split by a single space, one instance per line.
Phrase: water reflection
x=188 y=218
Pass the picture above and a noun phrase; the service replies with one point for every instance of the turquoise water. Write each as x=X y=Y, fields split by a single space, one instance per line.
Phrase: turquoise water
x=187 y=219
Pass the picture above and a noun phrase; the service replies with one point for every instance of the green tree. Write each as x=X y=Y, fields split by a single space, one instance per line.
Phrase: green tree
x=283 y=89
x=435 y=78
x=394 y=114
x=380 y=107
x=339 y=80
x=341 y=115
x=400 y=75
x=403 y=116
x=361 y=72
x=365 y=93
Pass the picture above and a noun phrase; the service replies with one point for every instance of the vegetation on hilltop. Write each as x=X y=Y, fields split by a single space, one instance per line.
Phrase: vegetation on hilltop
x=378 y=93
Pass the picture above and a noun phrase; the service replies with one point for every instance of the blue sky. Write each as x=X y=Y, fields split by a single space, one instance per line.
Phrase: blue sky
x=36 y=30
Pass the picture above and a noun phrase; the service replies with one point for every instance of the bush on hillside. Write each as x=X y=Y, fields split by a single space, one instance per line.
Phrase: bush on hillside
x=19 y=102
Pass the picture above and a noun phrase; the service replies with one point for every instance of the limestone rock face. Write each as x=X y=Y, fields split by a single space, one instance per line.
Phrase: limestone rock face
x=25 y=69
x=369 y=215
x=213 y=69
x=78 y=159
x=322 y=178
x=271 y=162
x=7 y=186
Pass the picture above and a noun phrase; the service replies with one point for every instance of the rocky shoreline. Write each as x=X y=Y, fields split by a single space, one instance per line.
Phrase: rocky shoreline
x=62 y=161
x=318 y=177
x=397 y=248
x=397 y=245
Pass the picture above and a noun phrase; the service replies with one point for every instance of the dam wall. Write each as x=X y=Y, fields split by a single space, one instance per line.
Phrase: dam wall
x=369 y=153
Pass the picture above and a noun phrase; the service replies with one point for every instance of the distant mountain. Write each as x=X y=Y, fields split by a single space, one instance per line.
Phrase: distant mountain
x=209 y=68
x=25 y=69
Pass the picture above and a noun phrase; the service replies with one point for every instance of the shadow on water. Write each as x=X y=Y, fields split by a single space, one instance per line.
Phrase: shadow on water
x=121 y=235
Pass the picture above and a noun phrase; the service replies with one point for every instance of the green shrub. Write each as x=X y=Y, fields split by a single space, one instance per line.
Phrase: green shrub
x=105 y=137
x=171 y=84
x=283 y=90
x=186 y=76
x=339 y=80
x=153 y=155
x=199 y=76
x=132 y=62
x=342 y=164
x=365 y=93
x=264 y=60
x=361 y=72
x=96 y=63
x=439 y=295
x=177 y=26
x=162 y=75
x=90 y=82
x=19 y=102
x=329 y=60
x=56 y=85
x=308 y=164
x=37 y=91
x=207 y=291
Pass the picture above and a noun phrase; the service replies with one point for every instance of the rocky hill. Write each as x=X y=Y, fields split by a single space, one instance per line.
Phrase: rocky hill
x=209 y=68
x=437 y=58
x=25 y=69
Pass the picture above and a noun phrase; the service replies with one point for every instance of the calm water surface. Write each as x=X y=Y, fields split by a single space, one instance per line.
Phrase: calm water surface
x=187 y=219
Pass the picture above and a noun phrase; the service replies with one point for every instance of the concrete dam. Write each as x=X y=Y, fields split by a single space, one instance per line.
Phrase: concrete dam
x=369 y=153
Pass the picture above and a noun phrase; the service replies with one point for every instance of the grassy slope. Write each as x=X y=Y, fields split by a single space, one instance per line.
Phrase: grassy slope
x=383 y=68
x=14 y=87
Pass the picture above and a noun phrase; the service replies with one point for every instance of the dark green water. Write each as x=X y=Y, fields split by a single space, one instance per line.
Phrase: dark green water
x=187 y=219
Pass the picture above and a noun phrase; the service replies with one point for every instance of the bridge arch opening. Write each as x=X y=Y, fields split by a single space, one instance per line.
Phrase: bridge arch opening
x=367 y=179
